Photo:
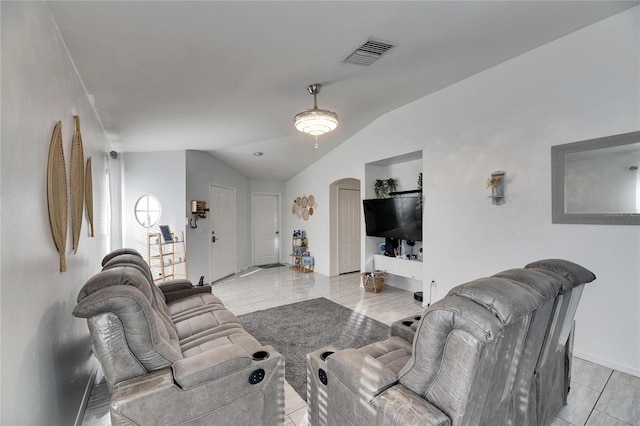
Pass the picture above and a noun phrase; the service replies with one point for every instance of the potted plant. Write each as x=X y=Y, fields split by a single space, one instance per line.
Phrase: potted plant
x=382 y=187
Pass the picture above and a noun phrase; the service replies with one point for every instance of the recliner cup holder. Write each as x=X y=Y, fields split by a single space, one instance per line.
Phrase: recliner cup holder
x=407 y=323
x=325 y=355
x=260 y=355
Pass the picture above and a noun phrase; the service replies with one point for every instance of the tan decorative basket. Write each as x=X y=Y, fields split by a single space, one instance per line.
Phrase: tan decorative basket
x=373 y=281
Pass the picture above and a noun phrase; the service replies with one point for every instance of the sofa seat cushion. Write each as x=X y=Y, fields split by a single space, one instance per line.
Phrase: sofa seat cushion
x=231 y=336
x=202 y=322
x=192 y=304
x=393 y=353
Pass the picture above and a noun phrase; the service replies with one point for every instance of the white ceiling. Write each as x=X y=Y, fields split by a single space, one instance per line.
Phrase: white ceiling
x=228 y=77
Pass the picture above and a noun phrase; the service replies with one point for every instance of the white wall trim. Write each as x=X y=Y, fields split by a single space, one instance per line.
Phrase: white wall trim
x=607 y=363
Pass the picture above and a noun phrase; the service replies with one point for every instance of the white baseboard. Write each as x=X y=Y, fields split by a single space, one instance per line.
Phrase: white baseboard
x=87 y=391
x=608 y=363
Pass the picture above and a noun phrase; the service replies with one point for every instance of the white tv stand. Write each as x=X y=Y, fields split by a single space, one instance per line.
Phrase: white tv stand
x=401 y=267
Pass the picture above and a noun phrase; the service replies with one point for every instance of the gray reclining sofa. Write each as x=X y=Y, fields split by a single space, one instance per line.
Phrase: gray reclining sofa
x=495 y=351
x=173 y=354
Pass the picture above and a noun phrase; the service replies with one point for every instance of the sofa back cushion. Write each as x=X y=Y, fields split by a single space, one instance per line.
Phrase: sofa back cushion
x=118 y=252
x=131 y=260
x=128 y=262
x=120 y=275
x=573 y=272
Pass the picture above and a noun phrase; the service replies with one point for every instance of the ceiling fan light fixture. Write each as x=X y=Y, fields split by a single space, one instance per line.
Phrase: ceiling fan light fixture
x=315 y=121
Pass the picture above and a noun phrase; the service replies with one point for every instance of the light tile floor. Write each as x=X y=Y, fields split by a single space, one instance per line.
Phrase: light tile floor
x=599 y=395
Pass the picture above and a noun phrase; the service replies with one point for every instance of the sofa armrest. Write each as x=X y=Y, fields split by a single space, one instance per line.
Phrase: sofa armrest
x=210 y=365
x=361 y=373
x=172 y=296
x=173 y=285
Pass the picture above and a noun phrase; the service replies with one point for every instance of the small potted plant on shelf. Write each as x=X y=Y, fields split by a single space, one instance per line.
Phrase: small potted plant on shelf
x=383 y=187
x=496 y=183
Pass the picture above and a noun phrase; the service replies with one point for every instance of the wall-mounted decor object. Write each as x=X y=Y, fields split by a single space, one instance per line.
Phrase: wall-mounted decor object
x=199 y=210
x=88 y=193
x=303 y=206
x=57 y=194
x=596 y=181
x=167 y=235
x=77 y=184
x=384 y=187
x=147 y=210
x=496 y=183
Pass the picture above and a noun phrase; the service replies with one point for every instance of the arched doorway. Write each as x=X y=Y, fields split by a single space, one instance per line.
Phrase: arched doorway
x=345 y=227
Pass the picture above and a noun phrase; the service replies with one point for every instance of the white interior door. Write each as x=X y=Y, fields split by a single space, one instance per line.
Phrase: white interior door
x=348 y=230
x=222 y=234
x=266 y=230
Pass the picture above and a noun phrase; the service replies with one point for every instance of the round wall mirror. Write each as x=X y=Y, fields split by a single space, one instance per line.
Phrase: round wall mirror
x=147 y=210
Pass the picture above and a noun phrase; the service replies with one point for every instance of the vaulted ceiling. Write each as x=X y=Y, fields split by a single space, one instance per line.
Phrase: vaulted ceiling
x=228 y=77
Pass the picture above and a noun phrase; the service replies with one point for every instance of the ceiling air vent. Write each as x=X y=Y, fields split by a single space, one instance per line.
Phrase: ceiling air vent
x=368 y=53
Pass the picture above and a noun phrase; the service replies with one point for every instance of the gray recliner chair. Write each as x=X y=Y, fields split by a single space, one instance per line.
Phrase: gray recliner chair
x=494 y=351
x=184 y=362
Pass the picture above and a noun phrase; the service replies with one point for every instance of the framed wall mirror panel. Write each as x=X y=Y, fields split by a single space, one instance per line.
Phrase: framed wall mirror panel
x=597 y=181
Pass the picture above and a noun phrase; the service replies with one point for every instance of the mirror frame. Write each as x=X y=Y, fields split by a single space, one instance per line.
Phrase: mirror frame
x=558 y=152
x=135 y=210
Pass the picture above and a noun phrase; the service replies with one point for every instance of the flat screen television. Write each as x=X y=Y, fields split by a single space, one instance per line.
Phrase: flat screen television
x=399 y=218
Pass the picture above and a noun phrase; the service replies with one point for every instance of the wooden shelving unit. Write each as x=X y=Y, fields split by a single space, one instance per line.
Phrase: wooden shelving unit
x=299 y=261
x=167 y=260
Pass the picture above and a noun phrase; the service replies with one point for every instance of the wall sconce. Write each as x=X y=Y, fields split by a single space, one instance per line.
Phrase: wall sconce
x=199 y=211
x=496 y=182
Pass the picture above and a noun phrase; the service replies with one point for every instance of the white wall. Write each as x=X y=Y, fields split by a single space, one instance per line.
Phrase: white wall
x=583 y=86
x=45 y=350
x=161 y=174
x=204 y=170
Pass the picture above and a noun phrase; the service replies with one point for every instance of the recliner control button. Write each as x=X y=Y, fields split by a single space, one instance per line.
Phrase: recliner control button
x=256 y=377
x=322 y=375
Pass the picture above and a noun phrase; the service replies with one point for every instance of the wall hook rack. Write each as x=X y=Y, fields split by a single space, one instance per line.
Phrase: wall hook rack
x=199 y=210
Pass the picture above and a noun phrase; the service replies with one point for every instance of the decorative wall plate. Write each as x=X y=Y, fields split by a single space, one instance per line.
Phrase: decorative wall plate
x=304 y=202
x=310 y=211
x=311 y=200
x=77 y=184
x=298 y=201
x=305 y=214
x=57 y=194
x=294 y=209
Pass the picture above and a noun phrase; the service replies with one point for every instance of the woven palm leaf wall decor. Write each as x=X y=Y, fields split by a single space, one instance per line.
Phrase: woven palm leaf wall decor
x=77 y=184
x=88 y=193
x=57 y=194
